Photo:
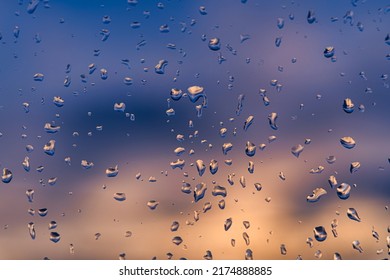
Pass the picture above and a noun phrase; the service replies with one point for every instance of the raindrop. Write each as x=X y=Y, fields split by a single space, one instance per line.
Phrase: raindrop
x=356 y=246
x=219 y=190
x=152 y=204
x=242 y=181
x=280 y=23
x=228 y=223
x=71 y=249
x=7 y=175
x=246 y=238
x=42 y=212
x=329 y=52
x=49 y=147
x=317 y=194
x=128 y=81
x=202 y=10
x=278 y=41
x=179 y=163
x=348 y=142
x=119 y=107
x=246 y=224
x=309 y=241
x=49 y=128
x=258 y=186
x=160 y=67
x=128 y=233
x=334 y=224
x=86 y=164
x=240 y=104
x=52 y=225
x=331 y=159
x=355 y=166
x=119 y=196
x=103 y=74
x=58 y=101
x=226 y=147
x=248 y=252
x=30 y=195
x=353 y=214
x=195 y=92
x=199 y=191
x=337 y=256
x=112 y=171
x=32 y=5
x=176 y=94
x=177 y=240
x=38 y=77
x=283 y=249
x=297 y=150
x=206 y=207
x=318 y=254
x=175 y=226
x=332 y=181
x=250 y=149
x=31 y=230
x=311 y=18
x=282 y=176
x=200 y=166
x=248 y=122
x=208 y=255
x=272 y=120
x=317 y=170
x=375 y=234
x=221 y=204
x=214 y=44
x=55 y=236
x=320 y=233
x=348 y=106
x=343 y=191
x=213 y=166
x=251 y=167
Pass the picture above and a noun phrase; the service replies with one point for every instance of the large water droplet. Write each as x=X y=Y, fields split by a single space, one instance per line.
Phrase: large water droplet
x=228 y=223
x=152 y=204
x=219 y=190
x=199 y=191
x=343 y=191
x=119 y=196
x=214 y=44
x=177 y=240
x=320 y=233
x=250 y=149
x=55 y=236
x=195 y=92
x=7 y=175
x=353 y=214
x=348 y=106
x=348 y=142
x=272 y=120
x=317 y=194
x=297 y=150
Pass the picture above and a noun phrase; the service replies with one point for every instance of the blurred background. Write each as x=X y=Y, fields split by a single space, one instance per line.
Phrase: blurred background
x=95 y=54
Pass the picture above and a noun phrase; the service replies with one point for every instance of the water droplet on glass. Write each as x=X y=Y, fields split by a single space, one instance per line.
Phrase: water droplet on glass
x=250 y=149
x=329 y=52
x=71 y=249
x=318 y=254
x=42 y=212
x=49 y=147
x=97 y=235
x=208 y=255
x=317 y=170
x=309 y=241
x=242 y=181
x=332 y=181
x=160 y=67
x=226 y=147
x=246 y=238
x=272 y=120
x=31 y=230
x=195 y=92
x=221 y=204
x=320 y=233
x=164 y=28
x=317 y=193
x=103 y=74
x=297 y=150
x=246 y=224
x=311 y=18
x=280 y=23
x=105 y=34
x=283 y=249
x=55 y=236
x=251 y=167
x=112 y=171
x=353 y=214
x=348 y=106
x=248 y=122
x=52 y=225
x=343 y=191
x=7 y=175
x=128 y=233
x=228 y=223
x=337 y=256
x=219 y=190
x=49 y=128
x=175 y=226
x=199 y=191
x=348 y=142
x=119 y=196
x=248 y=252
x=38 y=77
x=119 y=107
x=375 y=234
x=278 y=41
x=200 y=166
x=282 y=176
x=355 y=166
x=356 y=246
x=214 y=44
x=152 y=204
x=331 y=159
x=86 y=164
x=177 y=240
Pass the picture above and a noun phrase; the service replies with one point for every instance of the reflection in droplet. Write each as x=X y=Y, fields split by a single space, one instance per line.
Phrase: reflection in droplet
x=297 y=150
x=152 y=204
x=119 y=196
x=320 y=233
x=272 y=120
x=199 y=191
x=55 y=236
x=343 y=191
x=316 y=195
x=228 y=223
x=177 y=240
x=348 y=142
x=7 y=175
x=353 y=214
x=356 y=246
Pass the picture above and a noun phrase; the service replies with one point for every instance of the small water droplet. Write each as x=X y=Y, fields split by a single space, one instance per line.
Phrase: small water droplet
x=177 y=240
x=309 y=241
x=86 y=164
x=337 y=256
x=246 y=238
x=317 y=170
x=356 y=246
x=248 y=252
x=320 y=233
x=119 y=107
x=283 y=249
x=297 y=150
x=175 y=226
x=331 y=159
x=280 y=23
x=251 y=167
x=250 y=149
x=31 y=230
x=160 y=67
x=343 y=191
x=199 y=191
x=355 y=166
x=311 y=18
x=246 y=224
x=128 y=233
x=152 y=204
x=348 y=106
x=49 y=147
x=282 y=176
x=214 y=44
x=42 y=212
x=272 y=120
x=119 y=196
x=7 y=176
x=317 y=194
x=112 y=171
x=219 y=190
x=248 y=122
x=226 y=147
x=329 y=52
x=52 y=225
x=179 y=163
x=38 y=77
x=278 y=41
x=221 y=204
